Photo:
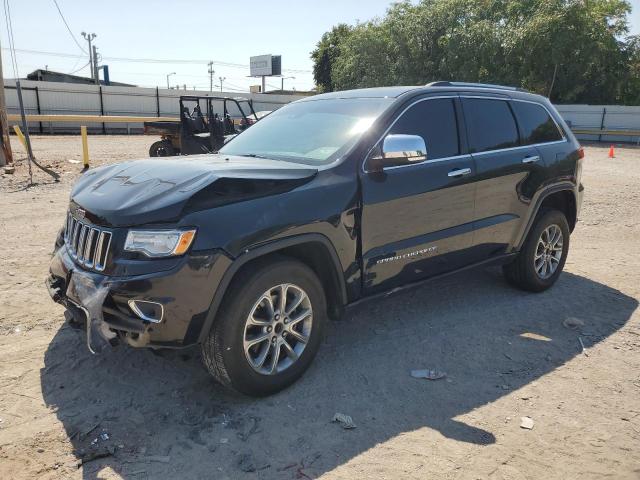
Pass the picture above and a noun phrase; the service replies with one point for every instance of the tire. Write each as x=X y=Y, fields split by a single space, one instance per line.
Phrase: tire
x=224 y=353
x=162 y=148
x=524 y=272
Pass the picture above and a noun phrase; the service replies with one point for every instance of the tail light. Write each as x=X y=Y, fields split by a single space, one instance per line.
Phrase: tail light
x=580 y=153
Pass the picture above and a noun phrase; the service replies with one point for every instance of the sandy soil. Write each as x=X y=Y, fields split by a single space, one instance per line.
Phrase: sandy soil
x=506 y=353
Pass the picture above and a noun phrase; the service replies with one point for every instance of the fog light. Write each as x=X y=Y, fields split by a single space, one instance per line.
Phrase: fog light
x=149 y=311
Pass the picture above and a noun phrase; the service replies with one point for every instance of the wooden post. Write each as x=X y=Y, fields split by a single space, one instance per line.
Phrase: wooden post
x=85 y=147
x=6 y=157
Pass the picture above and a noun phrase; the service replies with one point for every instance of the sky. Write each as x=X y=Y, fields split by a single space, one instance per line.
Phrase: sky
x=184 y=35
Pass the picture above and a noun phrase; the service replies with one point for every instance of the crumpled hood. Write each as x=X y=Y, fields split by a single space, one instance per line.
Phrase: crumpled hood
x=157 y=190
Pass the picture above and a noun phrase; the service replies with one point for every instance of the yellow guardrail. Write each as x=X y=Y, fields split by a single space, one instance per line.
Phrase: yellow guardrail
x=621 y=133
x=12 y=117
x=20 y=135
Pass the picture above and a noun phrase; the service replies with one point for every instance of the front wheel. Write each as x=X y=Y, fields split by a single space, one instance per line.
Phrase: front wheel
x=268 y=329
x=542 y=258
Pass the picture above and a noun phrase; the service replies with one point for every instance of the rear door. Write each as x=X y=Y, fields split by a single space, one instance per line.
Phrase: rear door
x=505 y=169
x=417 y=219
x=537 y=127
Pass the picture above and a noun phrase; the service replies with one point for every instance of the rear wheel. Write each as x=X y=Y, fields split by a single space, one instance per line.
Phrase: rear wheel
x=542 y=258
x=162 y=148
x=268 y=329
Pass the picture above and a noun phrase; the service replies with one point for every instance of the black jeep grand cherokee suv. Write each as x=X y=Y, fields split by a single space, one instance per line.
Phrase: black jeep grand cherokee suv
x=325 y=202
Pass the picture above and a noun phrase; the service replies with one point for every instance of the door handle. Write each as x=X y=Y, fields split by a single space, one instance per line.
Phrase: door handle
x=532 y=159
x=458 y=172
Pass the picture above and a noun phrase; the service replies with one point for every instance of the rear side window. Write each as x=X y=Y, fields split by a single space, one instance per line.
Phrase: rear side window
x=536 y=125
x=435 y=121
x=490 y=124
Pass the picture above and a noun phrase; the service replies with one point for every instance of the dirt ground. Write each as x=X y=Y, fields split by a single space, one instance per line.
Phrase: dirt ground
x=506 y=353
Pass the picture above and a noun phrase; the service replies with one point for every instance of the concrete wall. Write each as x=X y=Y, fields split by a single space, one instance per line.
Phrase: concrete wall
x=65 y=98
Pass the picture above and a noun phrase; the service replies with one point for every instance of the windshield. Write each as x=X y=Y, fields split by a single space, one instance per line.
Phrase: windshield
x=313 y=132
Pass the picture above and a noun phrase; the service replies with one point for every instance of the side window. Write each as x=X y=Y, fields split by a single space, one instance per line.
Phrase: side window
x=435 y=121
x=490 y=124
x=535 y=123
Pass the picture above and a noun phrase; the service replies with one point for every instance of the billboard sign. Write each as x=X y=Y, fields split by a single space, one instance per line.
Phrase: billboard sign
x=265 y=65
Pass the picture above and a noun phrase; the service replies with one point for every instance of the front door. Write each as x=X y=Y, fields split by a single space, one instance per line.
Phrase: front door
x=417 y=219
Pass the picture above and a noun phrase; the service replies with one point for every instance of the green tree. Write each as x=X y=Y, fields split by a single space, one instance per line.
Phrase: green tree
x=576 y=51
x=327 y=50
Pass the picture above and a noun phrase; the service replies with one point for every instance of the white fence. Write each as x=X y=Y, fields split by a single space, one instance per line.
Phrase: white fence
x=69 y=98
x=602 y=117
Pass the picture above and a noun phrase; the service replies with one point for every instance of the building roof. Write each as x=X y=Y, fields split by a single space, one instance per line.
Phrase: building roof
x=53 y=76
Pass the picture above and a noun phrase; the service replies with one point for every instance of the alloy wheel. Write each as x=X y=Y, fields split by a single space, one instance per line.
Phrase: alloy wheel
x=277 y=329
x=548 y=252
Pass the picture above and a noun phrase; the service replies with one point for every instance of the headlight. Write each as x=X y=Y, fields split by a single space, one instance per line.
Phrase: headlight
x=159 y=243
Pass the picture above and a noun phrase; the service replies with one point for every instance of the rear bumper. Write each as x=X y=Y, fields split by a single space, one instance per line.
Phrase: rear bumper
x=184 y=293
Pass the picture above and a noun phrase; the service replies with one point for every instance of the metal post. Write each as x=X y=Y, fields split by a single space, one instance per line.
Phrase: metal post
x=25 y=125
x=23 y=117
x=211 y=72
x=104 y=128
x=95 y=65
x=604 y=112
x=38 y=107
x=92 y=60
x=168 y=75
x=263 y=85
x=157 y=102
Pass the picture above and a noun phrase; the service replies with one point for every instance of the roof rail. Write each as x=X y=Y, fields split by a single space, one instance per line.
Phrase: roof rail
x=442 y=83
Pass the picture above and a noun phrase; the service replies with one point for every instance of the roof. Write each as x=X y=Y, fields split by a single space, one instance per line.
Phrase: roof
x=443 y=86
x=53 y=76
x=377 y=92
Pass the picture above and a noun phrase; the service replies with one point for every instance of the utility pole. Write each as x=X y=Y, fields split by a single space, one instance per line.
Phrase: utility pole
x=96 y=76
x=211 y=72
x=282 y=79
x=89 y=37
x=6 y=155
x=168 y=75
x=222 y=79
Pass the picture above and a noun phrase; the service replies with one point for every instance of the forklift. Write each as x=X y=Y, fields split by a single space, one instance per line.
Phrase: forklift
x=197 y=132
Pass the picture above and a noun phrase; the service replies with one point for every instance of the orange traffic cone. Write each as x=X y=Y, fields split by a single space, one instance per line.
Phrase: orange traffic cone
x=612 y=153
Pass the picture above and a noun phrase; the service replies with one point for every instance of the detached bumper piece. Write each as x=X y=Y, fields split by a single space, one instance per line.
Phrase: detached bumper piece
x=159 y=310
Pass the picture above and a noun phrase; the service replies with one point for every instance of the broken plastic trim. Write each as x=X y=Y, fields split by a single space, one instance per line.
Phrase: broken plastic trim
x=91 y=294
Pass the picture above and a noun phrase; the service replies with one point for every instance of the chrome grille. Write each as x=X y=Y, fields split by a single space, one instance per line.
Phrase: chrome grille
x=87 y=244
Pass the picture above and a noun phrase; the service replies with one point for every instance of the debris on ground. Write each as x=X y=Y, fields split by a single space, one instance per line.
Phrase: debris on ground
x=249 y=429
x=9 y=169
x=573 y=323
x=345 y=420
x=248 y=464
x=526 y=423
x=428 y=374
x=584 y=350
x=91 y=456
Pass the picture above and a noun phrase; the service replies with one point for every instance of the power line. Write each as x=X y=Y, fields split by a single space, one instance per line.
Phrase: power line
x=157 y=60
x=68 y=28
x=12 y=48
x=81 y=68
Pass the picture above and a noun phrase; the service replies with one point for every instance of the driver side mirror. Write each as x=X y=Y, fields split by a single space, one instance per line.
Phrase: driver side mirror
x=398 y=150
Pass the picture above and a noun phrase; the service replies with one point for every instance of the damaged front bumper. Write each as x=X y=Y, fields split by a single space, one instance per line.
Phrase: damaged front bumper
x=164 y=309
